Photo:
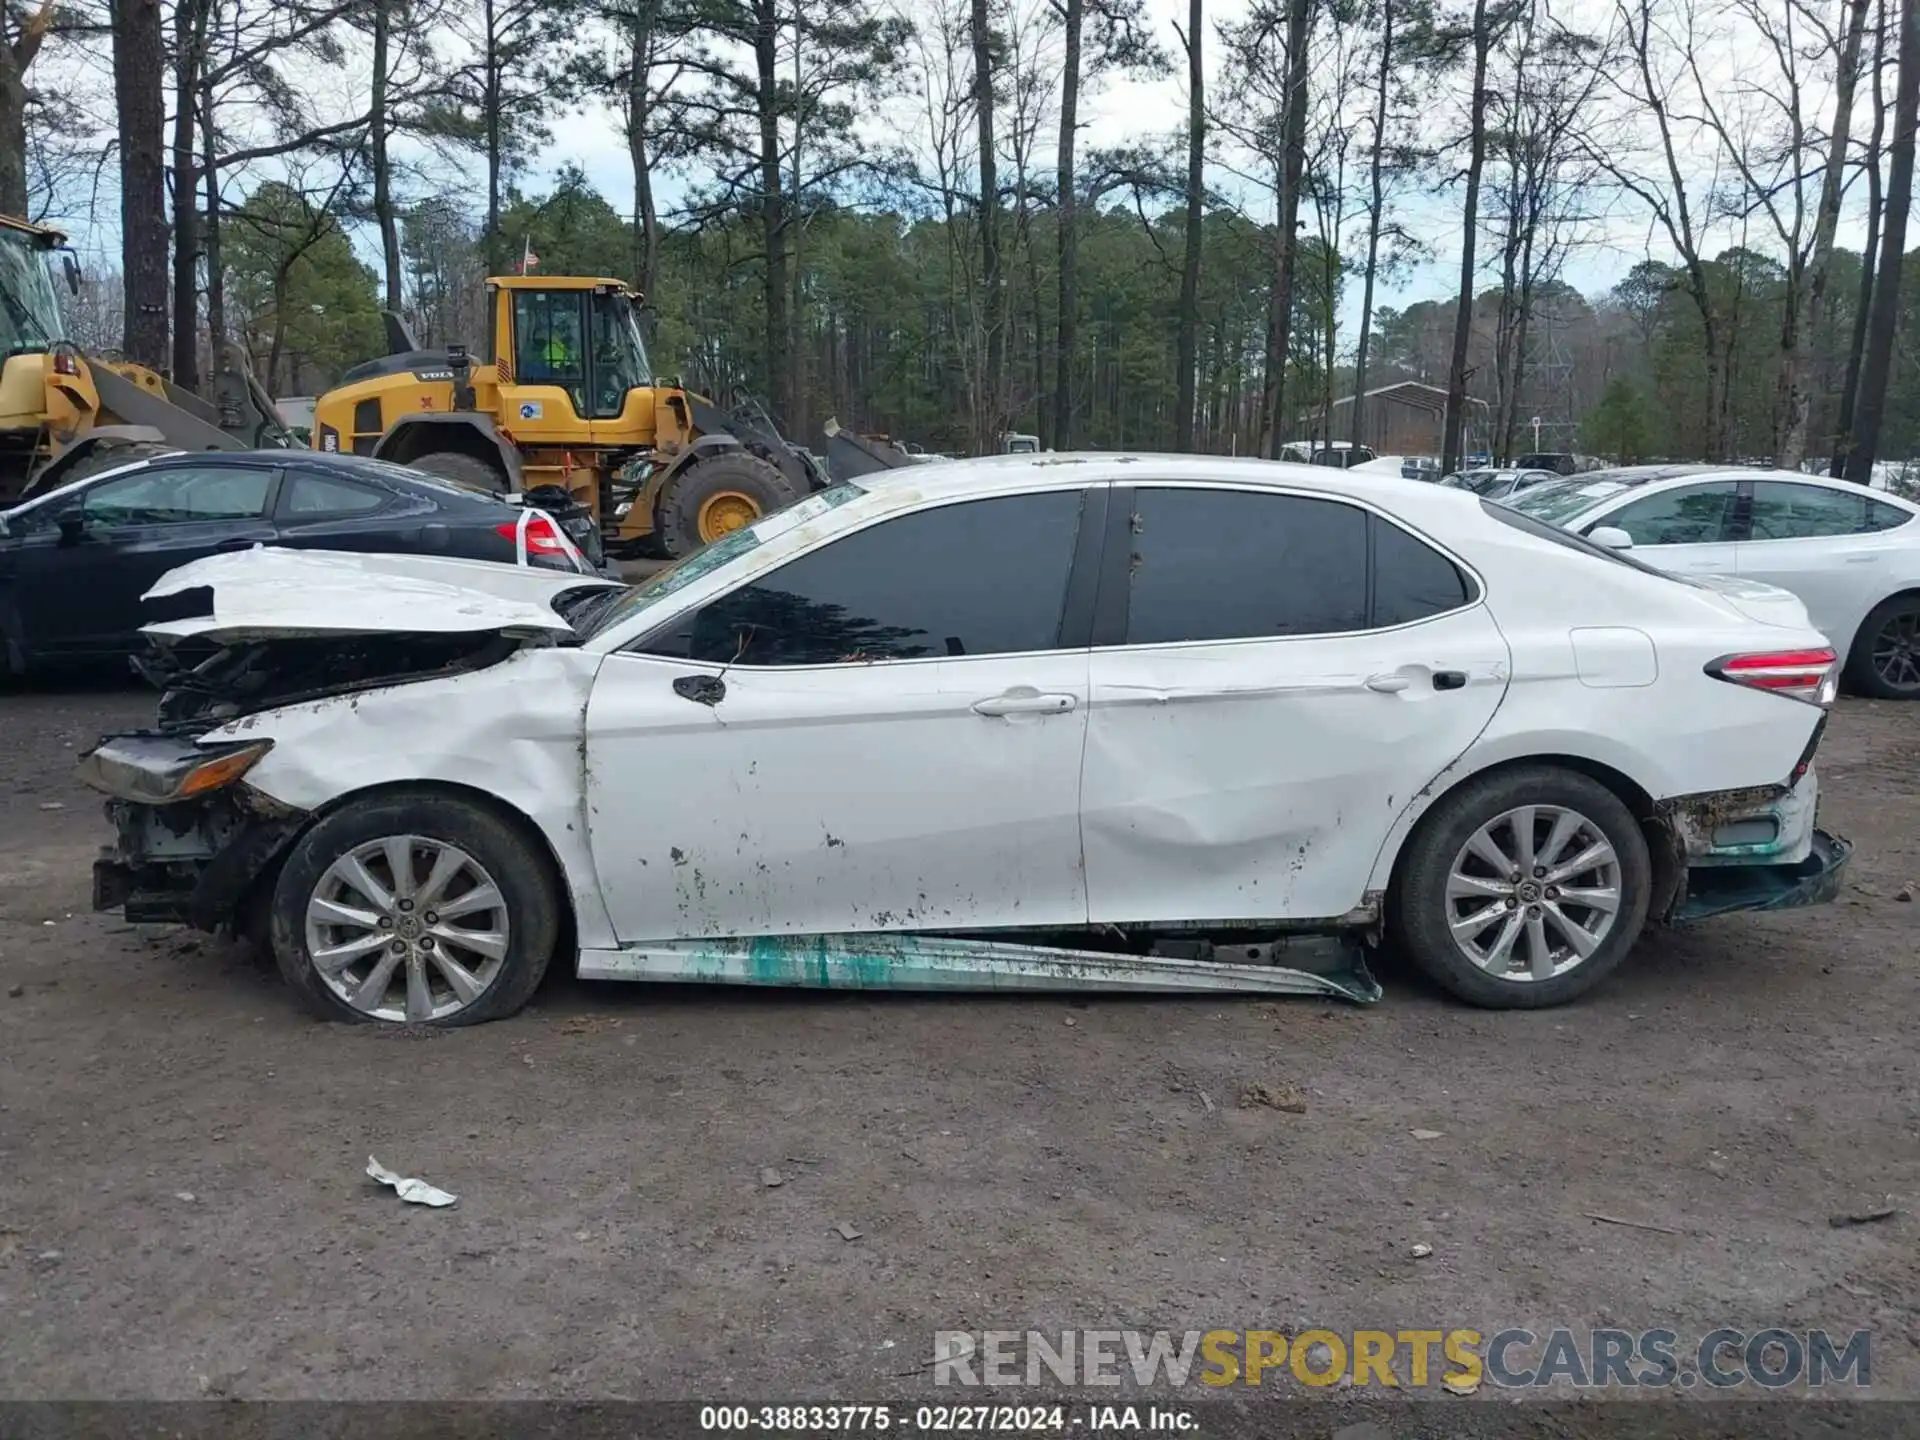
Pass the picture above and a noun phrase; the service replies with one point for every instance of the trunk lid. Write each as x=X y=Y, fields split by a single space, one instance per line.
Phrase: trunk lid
x=1756 y=600
x=267 y=593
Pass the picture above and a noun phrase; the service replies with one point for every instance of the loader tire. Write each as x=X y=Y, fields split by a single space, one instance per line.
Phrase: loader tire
x=715 y=497
x=468 y=471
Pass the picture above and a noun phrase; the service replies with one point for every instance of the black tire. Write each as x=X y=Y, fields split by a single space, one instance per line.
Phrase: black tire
x=1420 y=913
x=463 y=469
x=676 y=514
x=518 y=867
x=1870 y=677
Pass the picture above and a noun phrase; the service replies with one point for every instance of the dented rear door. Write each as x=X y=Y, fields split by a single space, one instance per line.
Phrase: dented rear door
x=1293 y=669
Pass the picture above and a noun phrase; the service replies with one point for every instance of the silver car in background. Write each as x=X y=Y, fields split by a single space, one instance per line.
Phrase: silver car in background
x=1851 y=554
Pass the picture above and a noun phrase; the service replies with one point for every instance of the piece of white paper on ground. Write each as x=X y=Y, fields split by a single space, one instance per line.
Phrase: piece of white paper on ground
x=414 y=1192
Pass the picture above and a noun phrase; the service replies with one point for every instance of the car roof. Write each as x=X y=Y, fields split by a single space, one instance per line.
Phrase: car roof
x=956 y=478
x=1649 y=474
x=385 y=474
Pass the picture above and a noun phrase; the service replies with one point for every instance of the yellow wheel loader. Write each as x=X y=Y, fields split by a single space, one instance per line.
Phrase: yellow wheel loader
x=64 y=414
x=567 y=399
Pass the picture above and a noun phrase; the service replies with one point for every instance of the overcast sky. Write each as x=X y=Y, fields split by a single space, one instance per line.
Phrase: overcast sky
x=1121 y=111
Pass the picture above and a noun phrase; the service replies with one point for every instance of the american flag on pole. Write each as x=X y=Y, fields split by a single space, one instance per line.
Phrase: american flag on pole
x=527 y=258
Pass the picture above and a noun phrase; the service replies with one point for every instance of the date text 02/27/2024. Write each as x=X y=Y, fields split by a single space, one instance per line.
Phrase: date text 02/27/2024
x=821 y=1419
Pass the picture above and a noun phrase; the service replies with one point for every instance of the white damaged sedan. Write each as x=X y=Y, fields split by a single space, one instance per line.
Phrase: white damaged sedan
x=1102 y=722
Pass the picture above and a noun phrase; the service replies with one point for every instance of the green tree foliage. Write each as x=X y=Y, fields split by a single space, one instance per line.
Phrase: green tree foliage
x=305 y=306
x=1617 y=426
x=573 y=231
x=887 y=326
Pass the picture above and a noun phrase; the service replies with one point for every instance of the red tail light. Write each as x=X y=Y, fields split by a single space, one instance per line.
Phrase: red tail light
x=543 y=536
x=65 y=362
x=1809 y=675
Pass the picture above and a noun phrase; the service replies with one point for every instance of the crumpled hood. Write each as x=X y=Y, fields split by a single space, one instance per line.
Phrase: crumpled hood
x=266 y=592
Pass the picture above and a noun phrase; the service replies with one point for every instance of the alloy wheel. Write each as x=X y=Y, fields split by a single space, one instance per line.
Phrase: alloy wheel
x=1896 y=652
x=1533 y=892
x=407 y=928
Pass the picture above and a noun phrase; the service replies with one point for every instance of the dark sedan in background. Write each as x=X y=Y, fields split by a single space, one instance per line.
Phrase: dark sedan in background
x=75 y=561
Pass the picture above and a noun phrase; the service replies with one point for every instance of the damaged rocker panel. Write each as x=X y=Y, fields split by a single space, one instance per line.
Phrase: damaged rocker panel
x=935 y=962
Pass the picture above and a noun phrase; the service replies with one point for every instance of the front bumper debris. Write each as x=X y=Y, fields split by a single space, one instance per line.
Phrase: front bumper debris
x=191 y=863
x=1723 y=889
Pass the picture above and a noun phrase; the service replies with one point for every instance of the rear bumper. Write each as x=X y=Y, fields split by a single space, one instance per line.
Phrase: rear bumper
x=1723 y=889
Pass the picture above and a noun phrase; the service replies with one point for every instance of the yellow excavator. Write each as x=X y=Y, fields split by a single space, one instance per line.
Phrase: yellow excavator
x=64 y=414
x=567 y=399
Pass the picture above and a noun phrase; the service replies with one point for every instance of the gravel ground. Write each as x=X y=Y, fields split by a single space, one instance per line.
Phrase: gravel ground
x=183 y=1211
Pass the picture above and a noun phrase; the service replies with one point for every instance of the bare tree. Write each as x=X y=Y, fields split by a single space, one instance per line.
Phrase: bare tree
x=1863 y=299
x=1376 y=215
x=1544 y=180
x=20 y=42
x=1661 y=185
x=1871 y=402
x=139 y=65
x=1762 y=128
x=1187 y=346
x=992 y=401
x=1482 y=41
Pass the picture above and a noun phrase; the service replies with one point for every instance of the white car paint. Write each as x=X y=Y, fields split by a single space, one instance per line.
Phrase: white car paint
x=1265 y=779
x=1839 y=578
x=272 y=591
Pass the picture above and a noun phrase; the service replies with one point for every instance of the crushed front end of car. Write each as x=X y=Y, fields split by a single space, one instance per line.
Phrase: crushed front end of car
x=193 y=842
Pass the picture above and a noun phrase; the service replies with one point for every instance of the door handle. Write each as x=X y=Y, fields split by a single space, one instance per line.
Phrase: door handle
x=1388 y=684
x=1030 y=702
x=1449 y=679
x=240 y=543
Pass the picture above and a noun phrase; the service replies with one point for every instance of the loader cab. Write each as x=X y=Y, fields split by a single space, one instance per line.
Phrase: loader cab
x=30 y=319
x=577 y=335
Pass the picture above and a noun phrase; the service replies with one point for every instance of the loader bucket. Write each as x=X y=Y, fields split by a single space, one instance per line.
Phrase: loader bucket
x=850 y=456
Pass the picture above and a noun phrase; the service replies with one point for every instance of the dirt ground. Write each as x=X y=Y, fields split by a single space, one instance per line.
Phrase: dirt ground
x=183 y=1211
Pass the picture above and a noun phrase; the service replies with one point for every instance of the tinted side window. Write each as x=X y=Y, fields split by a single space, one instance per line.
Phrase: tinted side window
x=1411 y=580
x=1224 y=564
x=985 y=577
x=1692 y=515
x=1882 y=516
x=311 y=496
x=1783 y=510
x=178 y=495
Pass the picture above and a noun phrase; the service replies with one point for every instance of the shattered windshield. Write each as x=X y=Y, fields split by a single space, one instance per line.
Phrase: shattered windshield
x=706 y=560
x=29 y=310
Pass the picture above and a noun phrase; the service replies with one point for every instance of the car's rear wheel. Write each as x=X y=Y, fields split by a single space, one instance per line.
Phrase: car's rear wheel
x=415 y=908
x=1522 y=888
x=1885 y=659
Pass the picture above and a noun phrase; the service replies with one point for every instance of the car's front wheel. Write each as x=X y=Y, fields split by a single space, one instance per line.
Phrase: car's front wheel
x=1522 y=888
x=415 y=908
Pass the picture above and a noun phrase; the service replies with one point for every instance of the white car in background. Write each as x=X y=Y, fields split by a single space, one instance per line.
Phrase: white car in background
x=1497 y=484
x=1070 y=722
x=1852 y=556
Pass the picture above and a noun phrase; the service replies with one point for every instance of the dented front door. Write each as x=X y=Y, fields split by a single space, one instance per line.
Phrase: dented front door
x=882 y=734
